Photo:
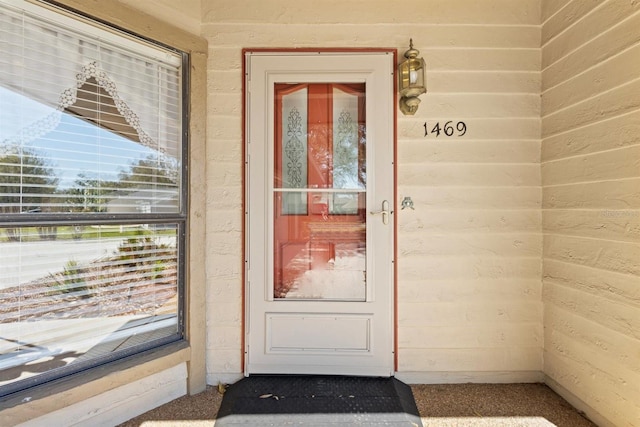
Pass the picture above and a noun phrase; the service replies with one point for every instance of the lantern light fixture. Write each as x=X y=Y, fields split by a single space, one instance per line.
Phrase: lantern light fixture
x=411 y=76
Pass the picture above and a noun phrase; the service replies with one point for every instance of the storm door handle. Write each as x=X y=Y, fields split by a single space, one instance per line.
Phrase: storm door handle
x=385 y=212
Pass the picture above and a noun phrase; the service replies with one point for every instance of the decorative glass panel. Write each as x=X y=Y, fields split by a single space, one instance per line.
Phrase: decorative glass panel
x=294 y=151
x=345 y=140
x=346 y=159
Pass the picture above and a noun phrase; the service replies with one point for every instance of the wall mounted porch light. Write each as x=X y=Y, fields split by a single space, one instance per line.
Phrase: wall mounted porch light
x=411 y=76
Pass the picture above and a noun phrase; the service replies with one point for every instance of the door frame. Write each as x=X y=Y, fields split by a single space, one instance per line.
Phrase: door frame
x=245 y=202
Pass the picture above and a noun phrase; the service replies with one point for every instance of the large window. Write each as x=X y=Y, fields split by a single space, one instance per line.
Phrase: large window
x=92 y=194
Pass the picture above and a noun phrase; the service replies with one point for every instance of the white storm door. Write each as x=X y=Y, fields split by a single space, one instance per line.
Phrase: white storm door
x=319 y=224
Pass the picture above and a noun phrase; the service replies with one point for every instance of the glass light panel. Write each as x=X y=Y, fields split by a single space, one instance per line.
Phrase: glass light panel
x=74 y=293
x=320 y=231
x=346 y=152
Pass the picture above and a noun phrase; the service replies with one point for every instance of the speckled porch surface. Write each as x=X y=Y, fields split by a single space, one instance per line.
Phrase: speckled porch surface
x=459 y=405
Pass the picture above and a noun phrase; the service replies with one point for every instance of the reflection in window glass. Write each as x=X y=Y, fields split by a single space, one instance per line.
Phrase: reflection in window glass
x=78 y=167
x=93 y=290
x=91 y=192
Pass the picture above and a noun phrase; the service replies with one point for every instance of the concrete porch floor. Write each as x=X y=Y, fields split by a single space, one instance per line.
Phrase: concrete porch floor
x=473 y=405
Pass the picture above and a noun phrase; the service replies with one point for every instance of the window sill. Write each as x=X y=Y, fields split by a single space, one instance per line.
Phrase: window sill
x=43 y=399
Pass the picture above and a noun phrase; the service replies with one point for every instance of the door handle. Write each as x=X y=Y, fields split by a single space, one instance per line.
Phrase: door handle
x=385 y=212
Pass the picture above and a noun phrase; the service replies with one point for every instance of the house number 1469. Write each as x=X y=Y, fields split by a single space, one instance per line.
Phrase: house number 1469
x=448 y=129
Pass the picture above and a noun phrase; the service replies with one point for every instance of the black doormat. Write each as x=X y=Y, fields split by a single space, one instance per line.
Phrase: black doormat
x=313 y=400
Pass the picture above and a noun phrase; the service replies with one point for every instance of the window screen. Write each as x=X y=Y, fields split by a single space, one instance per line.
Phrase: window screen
x=92 y=194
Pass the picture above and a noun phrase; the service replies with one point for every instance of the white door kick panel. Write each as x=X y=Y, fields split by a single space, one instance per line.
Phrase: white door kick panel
x=315 y=333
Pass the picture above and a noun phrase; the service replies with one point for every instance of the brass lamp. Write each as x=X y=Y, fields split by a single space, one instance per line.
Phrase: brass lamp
x=411 y=80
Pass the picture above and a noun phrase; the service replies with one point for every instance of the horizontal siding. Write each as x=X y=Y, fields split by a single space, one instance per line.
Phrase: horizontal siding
x=441 y=199
x=621 y=100
x=572 y=374
x=448 y=81
x=614 y=315
x=453 y=337
x=497 y=359
x=472 y=175
x=607 y=75
x=483 y=59
x=587 y=20
x=231 y=35
x=618 y=349
x=598 y=49
x=565 y=15
x=511 y=245
x=443 y=105
x=601 y=283
x=622 y=163
x=591 y=205
x=416 y=151
x=596 y=224
x=551 y=8
x=478 y=220
x=616 y=132
x=616 y=196
x=611 y=255
x=463 y=268
x=470 y=290
x=476 y=224
x=477 y=313
x=248 y=12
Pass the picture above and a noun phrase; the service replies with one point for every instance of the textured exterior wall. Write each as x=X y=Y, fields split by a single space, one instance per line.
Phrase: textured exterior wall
x=183 y=14
x=591 y=205
x=469 y=267
x=469 y=254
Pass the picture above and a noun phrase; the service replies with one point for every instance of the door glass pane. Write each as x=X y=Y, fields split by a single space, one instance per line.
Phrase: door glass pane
x=320 y=192
x=294 y=150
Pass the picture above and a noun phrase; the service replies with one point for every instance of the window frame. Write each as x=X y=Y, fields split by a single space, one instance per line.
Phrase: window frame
x=180 y=218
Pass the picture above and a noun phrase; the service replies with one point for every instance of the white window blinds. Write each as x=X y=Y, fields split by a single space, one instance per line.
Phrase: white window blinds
x=92 y=200
x=64 y=82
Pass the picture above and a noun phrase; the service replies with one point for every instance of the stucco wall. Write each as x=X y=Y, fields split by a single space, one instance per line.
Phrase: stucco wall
x=469 y=254
x=591 y=205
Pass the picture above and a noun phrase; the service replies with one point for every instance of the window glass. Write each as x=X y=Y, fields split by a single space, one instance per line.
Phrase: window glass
x=92 y=200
